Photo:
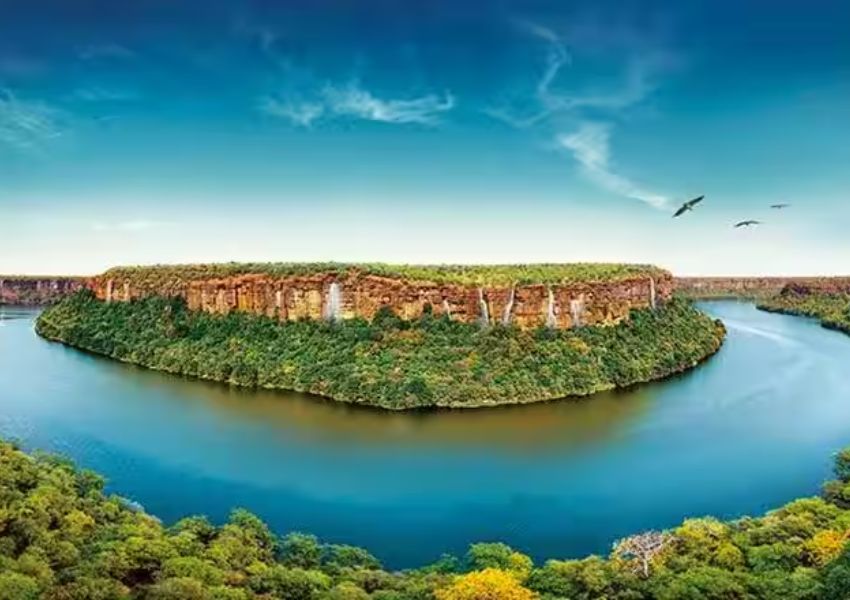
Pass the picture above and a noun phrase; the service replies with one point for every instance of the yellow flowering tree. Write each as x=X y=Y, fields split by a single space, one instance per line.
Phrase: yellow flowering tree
x=489 y=584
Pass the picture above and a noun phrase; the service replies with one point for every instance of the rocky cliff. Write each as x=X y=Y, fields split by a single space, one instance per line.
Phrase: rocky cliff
x=354 y=293
x=36 y=291
x=752 y=287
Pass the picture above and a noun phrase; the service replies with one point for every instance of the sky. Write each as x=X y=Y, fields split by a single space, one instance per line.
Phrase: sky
x=163 y=131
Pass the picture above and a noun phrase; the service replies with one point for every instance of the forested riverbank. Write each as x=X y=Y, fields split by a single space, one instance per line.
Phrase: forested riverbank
x=389 y=362
x=62 y=537
x=831 y=309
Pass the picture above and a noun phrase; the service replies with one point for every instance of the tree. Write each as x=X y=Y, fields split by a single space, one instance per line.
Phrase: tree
x=824 y=547
x=300 y=550
x=836 y=578
x=592 y=577
x=14 y=586
x=498 y=556
x=489 y=584
x=343 y=555
x=178 y=588
x=702 y=583
x=346 y=591
x=841 y=466
x=285 y=582
x=640 y=550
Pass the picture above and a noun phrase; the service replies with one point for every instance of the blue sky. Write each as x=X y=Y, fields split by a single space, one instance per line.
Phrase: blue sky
x=442 y=131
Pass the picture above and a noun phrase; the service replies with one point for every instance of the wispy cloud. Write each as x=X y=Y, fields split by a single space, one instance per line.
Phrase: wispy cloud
x=300 y=113
x=355 y=102
x=590 y=146
x=635 y=87
x=26 y=125
x=551 y=104
x=638 y=81
x=129 y=226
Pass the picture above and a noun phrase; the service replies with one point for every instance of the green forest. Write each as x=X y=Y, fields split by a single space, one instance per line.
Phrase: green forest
x=832 y=310
x=388 y=362
x=165 y=276
x=63 y=538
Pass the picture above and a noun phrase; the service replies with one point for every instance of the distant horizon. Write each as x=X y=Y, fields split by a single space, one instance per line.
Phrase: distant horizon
x=719 y=275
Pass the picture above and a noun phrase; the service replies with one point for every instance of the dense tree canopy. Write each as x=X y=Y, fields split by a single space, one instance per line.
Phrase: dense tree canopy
x=389 y=362
x=63 y=538
x=833 y=310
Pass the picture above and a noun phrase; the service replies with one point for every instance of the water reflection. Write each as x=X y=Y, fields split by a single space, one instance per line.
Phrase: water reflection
x=532 y=427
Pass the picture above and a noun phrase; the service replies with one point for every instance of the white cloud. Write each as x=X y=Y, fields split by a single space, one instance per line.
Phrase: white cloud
x=635 y=87
x=639 y=74
x=299 y=113
x=134 y=225
x=26 y=125
x=352 y=101
x=590 y=143
x=590 y=146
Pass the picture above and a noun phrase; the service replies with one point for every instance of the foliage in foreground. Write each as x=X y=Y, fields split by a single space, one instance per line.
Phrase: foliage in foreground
x=62 y=538
x=833 y=310
x=389 y=362
x=166 y=276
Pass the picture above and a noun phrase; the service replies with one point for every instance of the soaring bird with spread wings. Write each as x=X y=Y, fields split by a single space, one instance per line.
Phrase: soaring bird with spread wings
x=689 y=205
x=780 y=206
x=748 y=223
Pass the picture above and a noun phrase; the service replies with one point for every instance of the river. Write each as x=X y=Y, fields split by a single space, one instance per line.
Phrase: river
x=751 y=428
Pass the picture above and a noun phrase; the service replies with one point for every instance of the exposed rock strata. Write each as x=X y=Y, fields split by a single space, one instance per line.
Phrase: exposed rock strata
x=362 y=295
x=36 y=291
x=753 y=287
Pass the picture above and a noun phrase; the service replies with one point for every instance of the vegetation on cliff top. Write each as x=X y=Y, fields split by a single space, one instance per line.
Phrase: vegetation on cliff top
x=13 y=278
x=832 y=310
x=63 y=538
x=390 y=363
x=479 y=275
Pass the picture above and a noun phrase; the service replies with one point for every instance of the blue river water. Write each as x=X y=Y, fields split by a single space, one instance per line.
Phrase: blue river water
x=751 y=428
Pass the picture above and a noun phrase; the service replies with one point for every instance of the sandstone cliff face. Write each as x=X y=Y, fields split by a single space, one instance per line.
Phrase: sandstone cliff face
x=331 y=296
x=817 y=285
x=36 y=291
x=752 y=287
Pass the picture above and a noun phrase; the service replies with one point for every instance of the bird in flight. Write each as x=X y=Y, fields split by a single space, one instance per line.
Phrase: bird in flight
x=780 y=206
x=747 y=223
x=689 y=205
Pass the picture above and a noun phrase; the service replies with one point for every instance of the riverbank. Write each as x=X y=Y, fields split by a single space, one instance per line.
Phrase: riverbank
x=389 y=362
x=63 y=537
x=831 y=309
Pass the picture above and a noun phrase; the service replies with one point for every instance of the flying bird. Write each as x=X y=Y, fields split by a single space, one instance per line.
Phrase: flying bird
x=780 y=206
x=689 y=205
x=747 y=223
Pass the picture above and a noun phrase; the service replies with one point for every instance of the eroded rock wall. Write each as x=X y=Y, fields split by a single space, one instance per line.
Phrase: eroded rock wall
x=36 y=291
x=331 y=296
x=752 y=287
